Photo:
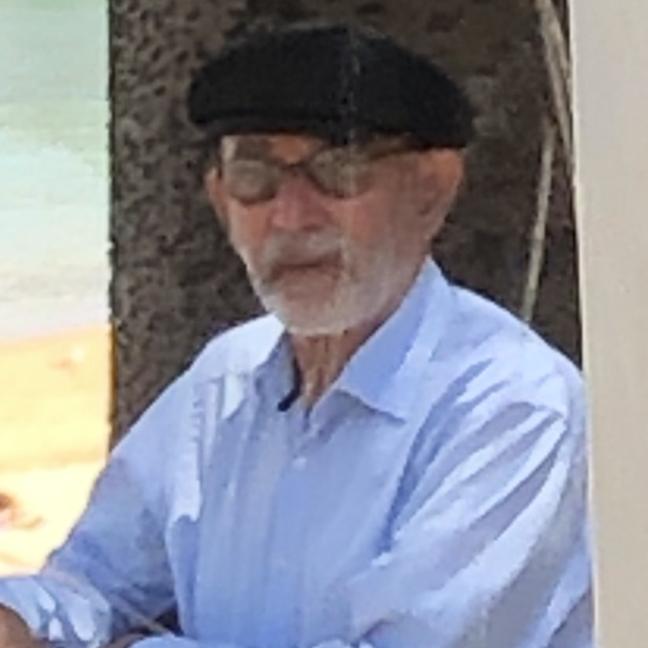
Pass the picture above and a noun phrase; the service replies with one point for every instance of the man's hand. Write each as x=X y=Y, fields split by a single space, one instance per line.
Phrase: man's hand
x=14 y=632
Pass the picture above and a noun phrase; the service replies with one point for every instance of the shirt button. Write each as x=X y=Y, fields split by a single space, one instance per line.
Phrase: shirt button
x=384 y=560
x=299 y=463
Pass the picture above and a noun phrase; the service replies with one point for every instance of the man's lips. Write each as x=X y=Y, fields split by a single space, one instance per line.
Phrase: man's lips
x=331 y=262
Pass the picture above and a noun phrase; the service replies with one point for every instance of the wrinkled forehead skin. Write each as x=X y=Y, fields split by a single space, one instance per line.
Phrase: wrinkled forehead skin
x=298 y=145
x=264 y=144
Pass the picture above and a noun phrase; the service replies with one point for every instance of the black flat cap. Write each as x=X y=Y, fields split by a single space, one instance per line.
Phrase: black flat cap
x=339 y=82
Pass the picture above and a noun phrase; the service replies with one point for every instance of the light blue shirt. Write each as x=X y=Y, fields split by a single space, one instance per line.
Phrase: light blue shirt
x=434 y=497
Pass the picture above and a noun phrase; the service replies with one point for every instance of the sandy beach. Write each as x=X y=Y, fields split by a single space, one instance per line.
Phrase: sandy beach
x=53 y=438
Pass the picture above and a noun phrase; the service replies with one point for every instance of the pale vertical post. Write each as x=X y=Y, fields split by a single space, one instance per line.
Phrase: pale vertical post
x=611 y=100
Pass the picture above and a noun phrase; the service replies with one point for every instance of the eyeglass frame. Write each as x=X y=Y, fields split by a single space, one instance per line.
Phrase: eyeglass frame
x=399 y=144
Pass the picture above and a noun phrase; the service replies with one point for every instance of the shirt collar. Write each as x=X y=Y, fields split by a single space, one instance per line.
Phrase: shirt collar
x=386 y=369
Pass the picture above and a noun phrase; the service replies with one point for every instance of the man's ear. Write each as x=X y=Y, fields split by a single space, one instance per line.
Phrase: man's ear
x=441 y=173
x=215 y=192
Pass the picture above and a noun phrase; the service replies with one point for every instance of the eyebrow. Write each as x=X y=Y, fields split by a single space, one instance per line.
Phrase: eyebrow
x=250 y=146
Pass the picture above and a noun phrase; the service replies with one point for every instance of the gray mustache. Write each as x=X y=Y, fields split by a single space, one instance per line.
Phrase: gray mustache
x=304 y=250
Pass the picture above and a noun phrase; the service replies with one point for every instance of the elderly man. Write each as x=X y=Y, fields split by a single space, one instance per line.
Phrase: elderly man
x=384 y=460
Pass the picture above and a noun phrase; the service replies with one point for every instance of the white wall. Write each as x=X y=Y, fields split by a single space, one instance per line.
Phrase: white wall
x=611 y=75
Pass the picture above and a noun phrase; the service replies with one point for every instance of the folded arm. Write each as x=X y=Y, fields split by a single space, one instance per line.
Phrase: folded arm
x=111 y=574
x=490 y=547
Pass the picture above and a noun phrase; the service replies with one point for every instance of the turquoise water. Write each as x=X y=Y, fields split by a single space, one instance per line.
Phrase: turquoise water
x=53 y=165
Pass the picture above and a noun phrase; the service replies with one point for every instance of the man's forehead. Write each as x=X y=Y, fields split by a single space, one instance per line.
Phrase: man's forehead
x=267 y=143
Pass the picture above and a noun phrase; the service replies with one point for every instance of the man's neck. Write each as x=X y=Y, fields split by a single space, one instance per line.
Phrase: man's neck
x=321 y=359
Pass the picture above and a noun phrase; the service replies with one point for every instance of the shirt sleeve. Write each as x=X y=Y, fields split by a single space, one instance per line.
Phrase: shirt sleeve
x=491 y=547
x=169 y=641
x=180 y=642
x=112 y=573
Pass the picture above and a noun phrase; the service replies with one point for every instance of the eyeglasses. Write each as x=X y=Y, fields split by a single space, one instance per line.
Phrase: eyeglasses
x=340 y=172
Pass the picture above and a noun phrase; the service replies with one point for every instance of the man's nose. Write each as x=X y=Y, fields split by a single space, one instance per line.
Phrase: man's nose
x=298 y=204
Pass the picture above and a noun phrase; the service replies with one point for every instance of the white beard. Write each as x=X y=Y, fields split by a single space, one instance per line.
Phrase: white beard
x=323 y=304
x=349 y=305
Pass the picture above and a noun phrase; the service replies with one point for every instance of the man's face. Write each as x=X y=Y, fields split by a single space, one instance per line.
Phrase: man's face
x=332 y=244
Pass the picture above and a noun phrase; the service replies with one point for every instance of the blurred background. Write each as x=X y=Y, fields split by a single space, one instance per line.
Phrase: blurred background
x=54 y=269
